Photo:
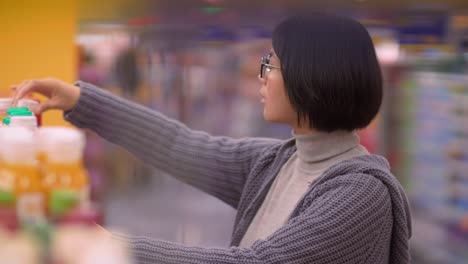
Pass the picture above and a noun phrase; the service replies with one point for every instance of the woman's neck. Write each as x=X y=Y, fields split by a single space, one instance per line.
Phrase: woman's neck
x=303 y=129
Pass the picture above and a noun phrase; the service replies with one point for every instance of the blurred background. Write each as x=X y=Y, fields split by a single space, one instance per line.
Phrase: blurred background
x=198 y=61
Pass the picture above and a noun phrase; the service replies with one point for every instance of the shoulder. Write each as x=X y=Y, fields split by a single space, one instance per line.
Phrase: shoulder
x=366 y=178
x=356 y=184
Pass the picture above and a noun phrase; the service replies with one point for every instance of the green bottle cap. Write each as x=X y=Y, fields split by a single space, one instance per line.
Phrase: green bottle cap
x=62 y=201
x=19 y=113
x=6 y=121
x=7 y=198
x=22 y=109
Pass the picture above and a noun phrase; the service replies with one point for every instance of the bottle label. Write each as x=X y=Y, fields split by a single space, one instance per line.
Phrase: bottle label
x=7 y=180
x=30 y=207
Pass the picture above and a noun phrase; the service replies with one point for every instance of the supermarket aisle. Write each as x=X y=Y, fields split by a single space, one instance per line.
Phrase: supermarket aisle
x=166 y=209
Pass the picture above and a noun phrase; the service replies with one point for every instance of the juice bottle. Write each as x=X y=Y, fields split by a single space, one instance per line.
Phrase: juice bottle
x=18 y=154
x=5 y=103
x=8 y=219
x=20 y=248
x=7 y=179
x=62 y=157
x=20 y=117
x=28 y=122
x=30 y=104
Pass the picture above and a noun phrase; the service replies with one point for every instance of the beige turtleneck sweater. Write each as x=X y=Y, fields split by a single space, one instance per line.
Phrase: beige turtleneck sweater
x=315 y=153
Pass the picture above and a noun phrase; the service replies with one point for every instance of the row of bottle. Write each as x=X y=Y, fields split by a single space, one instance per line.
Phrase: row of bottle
x=20 y=116
x=41 y=174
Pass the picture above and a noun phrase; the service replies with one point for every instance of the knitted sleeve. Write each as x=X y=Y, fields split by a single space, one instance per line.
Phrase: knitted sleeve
x=346 y=220
x=216 y=165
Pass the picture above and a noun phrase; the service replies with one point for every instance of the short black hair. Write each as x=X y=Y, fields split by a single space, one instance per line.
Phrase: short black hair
x=330 y=70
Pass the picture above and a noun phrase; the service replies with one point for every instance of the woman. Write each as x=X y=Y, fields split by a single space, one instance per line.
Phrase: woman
x=317 y=198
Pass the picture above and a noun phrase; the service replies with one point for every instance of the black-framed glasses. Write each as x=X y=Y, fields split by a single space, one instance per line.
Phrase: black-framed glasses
x=265 y=66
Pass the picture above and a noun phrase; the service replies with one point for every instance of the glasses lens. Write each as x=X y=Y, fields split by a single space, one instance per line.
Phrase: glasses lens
x=262 y=67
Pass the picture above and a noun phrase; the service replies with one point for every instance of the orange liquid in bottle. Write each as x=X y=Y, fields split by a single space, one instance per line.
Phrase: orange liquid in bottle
x=7 y=179
x=73 y=177
x=62 y=166
x=30 y=199
x=19 y=164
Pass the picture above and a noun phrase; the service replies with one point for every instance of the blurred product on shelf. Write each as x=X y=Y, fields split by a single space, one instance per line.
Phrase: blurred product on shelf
x=42 y=177
x=24 y=105
x=44 y=193
x=19 y=248
x=434 y=147
x=5 y=103
x=43 y=244
x=95 y=247
x=62 y=156
x=20 y=117
x=8 y=219
x=19 y=166
x=31 y=104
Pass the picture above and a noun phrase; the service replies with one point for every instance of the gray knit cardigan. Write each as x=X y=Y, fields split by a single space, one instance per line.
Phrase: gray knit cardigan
x=355 y=212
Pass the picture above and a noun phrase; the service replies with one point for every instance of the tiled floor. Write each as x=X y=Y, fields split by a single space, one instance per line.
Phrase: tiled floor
x=165 y=208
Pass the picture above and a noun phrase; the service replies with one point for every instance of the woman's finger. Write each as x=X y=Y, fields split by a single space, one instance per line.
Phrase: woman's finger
x=16 y=87
x=24 y=89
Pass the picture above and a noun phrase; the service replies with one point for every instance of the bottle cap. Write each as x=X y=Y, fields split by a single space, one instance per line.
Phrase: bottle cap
x=6 y=121
x=17 y=109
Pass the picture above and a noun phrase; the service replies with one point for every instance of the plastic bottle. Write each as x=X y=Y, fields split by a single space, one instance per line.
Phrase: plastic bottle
x=7 y=180
x=18 y=153
x=62 y=157
x=31 y=104
x=28 y=104
x=28 y=122
x=20 y=117
x=20 y=248
x=8 y=219
x=5 y=103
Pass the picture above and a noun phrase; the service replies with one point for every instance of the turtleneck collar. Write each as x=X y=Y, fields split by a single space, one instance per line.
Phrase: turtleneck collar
x=320 y=146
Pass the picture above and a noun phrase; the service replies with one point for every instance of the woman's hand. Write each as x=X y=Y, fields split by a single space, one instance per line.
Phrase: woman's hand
x=61 y=95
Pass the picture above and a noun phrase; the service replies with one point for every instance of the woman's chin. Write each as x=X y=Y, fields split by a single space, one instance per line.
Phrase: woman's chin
x=265 y=116
x=269 y=118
